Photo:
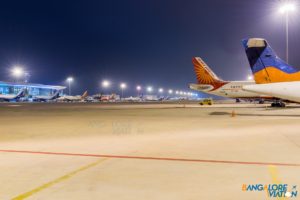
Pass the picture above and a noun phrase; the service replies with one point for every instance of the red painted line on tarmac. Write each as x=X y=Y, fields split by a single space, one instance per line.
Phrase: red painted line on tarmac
x=152 y=158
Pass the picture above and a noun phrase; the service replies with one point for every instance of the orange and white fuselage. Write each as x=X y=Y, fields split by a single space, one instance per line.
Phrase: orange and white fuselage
x=232 y=89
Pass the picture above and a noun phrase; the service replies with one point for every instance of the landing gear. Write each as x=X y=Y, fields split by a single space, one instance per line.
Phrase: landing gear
x=261 y=101
x=278 y=104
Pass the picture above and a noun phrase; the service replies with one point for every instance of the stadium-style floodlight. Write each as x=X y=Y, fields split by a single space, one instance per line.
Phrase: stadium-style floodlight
x=170 y=91
x=286 y=9
x=105 y=84
x=123 y=86
x=17 y=72
x=160 y=90
x=149 y=89
x=138 y=89
x=70 y=80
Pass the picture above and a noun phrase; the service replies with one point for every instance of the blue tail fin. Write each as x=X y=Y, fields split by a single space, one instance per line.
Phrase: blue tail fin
x=266 y=66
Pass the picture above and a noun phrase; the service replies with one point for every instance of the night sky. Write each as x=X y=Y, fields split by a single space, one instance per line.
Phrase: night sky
x=148 y=42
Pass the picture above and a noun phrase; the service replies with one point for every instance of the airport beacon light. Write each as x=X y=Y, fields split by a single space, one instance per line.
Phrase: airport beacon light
x=70 y=80
x=286 y=9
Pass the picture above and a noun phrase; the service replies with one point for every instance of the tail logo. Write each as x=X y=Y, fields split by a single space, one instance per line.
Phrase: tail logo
x=205 y=75
x=266 y=66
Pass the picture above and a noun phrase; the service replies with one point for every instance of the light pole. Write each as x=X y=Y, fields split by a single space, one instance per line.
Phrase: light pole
x=105 y=84
x=286 y=9
x=70 y=80
x=122 y=86
x=138 y=88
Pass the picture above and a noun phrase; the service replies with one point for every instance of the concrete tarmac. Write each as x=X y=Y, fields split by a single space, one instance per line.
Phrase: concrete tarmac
x=146 y=151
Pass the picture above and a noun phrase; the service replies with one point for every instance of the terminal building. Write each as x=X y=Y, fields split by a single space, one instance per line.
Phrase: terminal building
x=32 y=90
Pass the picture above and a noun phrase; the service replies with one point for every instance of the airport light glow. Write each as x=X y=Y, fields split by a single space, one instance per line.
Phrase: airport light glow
x=149 y=89
x=170 y=91
x=105 y=83
x=17 y=71
x=70 y=79
x=250 y=77
x=160 y=90
x=287 y=8
x=138 y=88
x=123 y=86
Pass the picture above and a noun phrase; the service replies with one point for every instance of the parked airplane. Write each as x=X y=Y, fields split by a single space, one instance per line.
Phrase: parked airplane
x=273 y=76
x=210 y=83
x=69 y=98
x=13 y=97
x=132 y=99
x=45 y=98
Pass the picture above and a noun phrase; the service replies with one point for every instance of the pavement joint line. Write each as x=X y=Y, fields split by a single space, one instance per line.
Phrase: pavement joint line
x=56 y=181
x=152 y=158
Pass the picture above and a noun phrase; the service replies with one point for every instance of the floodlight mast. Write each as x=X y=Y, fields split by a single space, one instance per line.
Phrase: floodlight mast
x=286 y=9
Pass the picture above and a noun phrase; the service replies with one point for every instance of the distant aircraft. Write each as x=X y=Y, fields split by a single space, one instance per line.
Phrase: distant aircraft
x=210 y=83
x=149 y=97
x=78 y=98
x=46 y=98
x=272 y=75
x=107 y=97
x=132 y=99
x=13 y=97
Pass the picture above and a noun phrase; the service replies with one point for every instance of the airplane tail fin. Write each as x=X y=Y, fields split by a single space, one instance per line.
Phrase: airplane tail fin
x=266 y=66
x=21 y=93
x=204 y=74
x=84 y=95
x=55 y=95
